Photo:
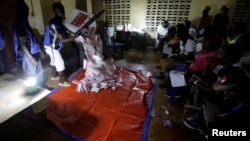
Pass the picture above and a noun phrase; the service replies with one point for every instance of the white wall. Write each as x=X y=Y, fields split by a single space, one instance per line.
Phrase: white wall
x=138 y=13
x=43 y=12
x=198 y=5
x=35 y=19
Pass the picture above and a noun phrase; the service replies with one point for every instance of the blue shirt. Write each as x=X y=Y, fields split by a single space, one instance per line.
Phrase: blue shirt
x=23 y=28
x=2 y=40
x=54 y=27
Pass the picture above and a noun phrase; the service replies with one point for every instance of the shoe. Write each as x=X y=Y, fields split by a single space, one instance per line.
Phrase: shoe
x=190 y=124
x=65 y=84
x=168 y=94
x=54 y=78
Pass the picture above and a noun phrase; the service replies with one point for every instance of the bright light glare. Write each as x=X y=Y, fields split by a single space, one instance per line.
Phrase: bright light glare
x=143 y=26
x=31 y=81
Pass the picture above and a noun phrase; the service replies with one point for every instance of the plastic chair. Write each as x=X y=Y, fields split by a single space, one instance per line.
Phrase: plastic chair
x=111 y=43
x=177 y=80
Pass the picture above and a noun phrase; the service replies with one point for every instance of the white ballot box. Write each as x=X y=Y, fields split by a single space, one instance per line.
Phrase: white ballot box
x=76 y=20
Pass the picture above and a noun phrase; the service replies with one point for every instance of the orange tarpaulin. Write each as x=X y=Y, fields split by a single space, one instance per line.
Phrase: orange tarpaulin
x=120 y=114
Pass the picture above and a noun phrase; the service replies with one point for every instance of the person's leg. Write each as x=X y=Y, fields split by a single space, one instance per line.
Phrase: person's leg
x=20 y=71
x=161 y=74
x=39 y=74
x=61 y=77
x=28 y=69
x=156 y=44
x=6 y=61
x=197 y=121
x=60 y=67
x=166 y=67
x=53 y=72
x=161 y=44
x=200 y=122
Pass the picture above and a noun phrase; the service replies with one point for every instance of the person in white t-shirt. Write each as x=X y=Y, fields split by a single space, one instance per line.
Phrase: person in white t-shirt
x=161 y=35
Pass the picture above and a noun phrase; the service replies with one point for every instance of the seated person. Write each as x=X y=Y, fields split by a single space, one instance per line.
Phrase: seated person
x=211 y=46
x=171 y=48
x=187 y=45
x=184 y=53
x=161 y=35
x=226 y=58
x=225 y=102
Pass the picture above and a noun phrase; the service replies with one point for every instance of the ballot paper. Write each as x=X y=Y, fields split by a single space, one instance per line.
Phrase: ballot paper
x=177 y=78
x=76 y=20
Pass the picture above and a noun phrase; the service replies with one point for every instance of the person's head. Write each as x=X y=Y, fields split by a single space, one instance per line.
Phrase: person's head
x=206 y=11
x=224 y=9
x=22 y=10
x=58 y=9
x=165 y=24
x=182 y=31
x=231 y=82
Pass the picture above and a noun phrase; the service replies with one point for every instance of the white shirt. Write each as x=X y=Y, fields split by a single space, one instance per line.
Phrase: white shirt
x=162 y=31
x=193 y=32
x=190 y=46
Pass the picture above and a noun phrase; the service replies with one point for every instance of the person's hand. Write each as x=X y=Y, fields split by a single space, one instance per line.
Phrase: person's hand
x=33 y=62
x=191 y=80
x=78 y=33
x=72 y=34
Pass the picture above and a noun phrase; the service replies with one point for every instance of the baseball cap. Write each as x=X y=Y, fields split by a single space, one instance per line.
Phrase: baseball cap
x=165 y=24
x=229 y=78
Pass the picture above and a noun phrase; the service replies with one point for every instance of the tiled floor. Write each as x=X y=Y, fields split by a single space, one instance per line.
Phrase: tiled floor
x=133 y=59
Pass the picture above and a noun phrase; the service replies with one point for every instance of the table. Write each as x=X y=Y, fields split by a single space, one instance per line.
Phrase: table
x=14 y=98
x=134 y=39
